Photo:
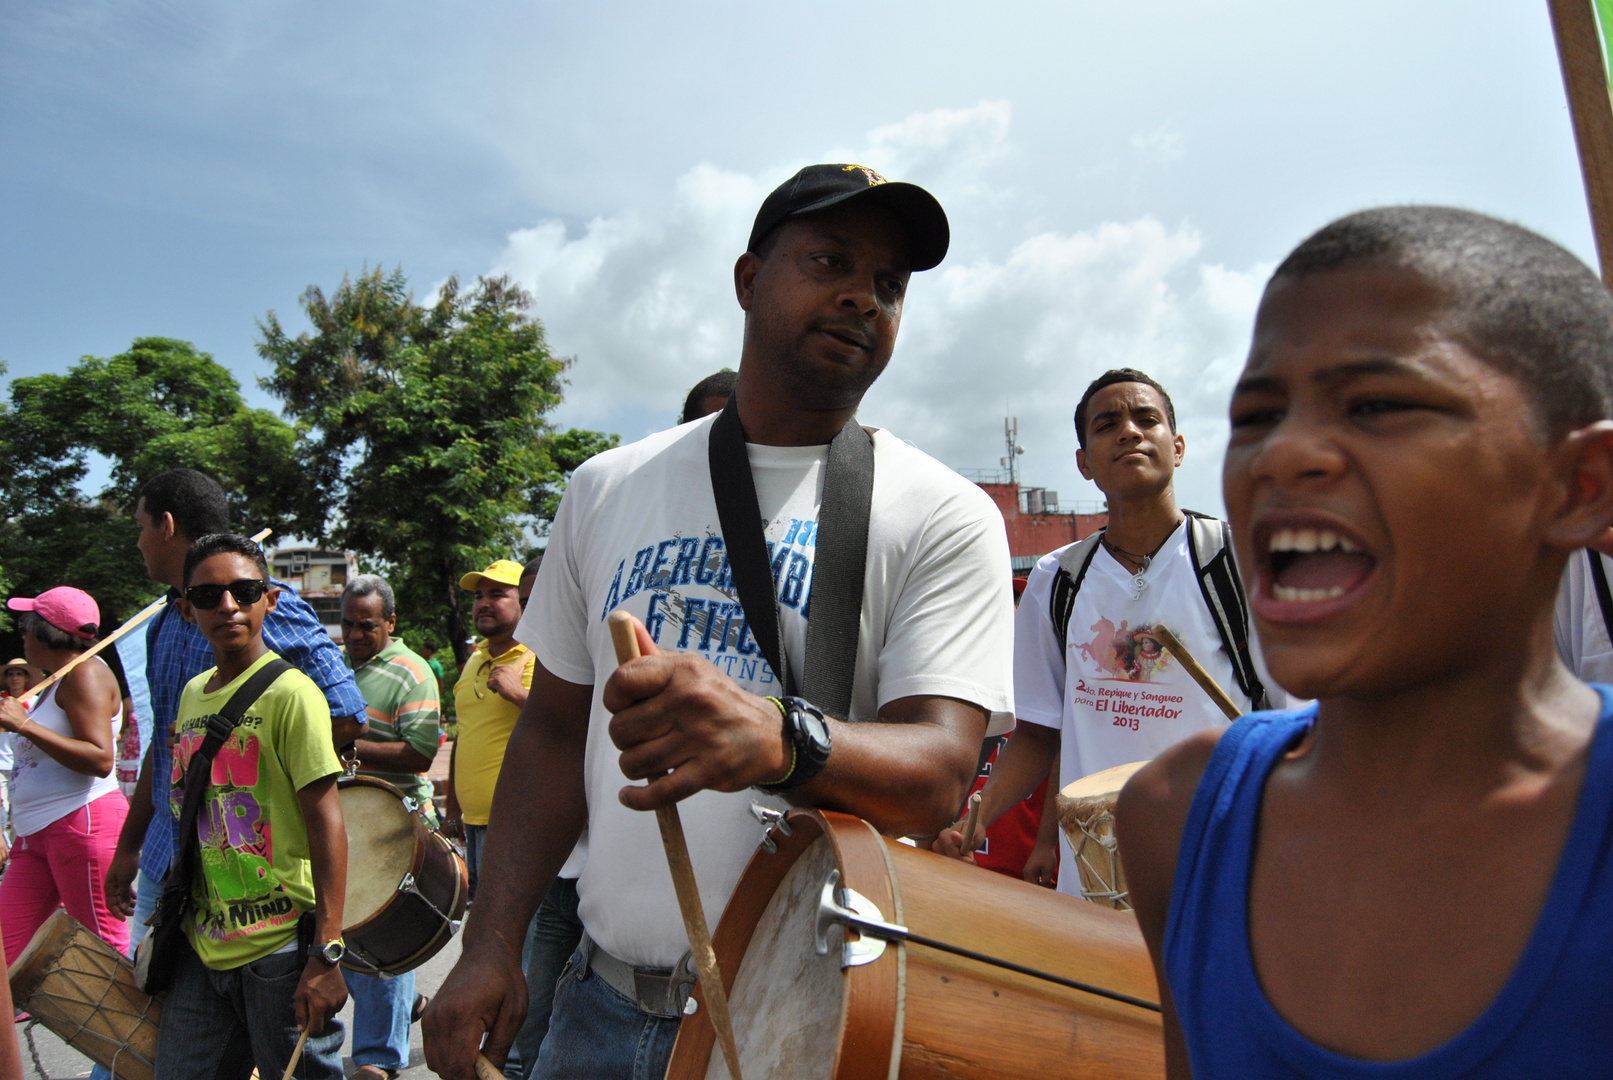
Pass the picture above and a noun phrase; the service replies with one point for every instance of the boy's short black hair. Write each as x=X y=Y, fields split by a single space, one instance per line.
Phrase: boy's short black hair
x=194 y=499
x=1523 y=303
x=1110 y=378
x=224 y=544
x=34 y=625
x=719 y=385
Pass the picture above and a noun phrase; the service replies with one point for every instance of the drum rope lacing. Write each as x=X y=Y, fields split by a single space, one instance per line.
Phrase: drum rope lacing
x=1089 y=830
x=100 y=1003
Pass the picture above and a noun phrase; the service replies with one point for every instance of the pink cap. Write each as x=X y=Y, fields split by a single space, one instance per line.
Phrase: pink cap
x=65 y=608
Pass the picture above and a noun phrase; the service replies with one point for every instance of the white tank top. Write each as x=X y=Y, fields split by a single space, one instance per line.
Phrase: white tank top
x=44 y=790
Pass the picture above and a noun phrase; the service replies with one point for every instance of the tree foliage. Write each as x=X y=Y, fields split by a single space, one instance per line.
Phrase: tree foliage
x=160 y=405
x=427 y=446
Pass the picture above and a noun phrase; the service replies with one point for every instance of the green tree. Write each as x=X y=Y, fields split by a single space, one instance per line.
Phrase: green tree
x=160 y=405
x=427 y=438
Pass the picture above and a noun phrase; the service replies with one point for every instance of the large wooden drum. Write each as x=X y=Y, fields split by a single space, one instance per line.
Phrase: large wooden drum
x=1087 y=816
x=406 y=885
x=83 y=989
x=906 y=1009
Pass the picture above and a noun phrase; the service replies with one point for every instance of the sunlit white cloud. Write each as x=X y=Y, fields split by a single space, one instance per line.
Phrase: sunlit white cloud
x=1014 y=320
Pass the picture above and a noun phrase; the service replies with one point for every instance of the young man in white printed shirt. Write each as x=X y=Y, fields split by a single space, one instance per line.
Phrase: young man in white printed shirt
x=1105 y=692
x=822 y=286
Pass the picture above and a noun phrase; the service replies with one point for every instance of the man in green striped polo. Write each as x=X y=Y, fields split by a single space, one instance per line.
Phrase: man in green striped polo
x=399 y=690
x=400 y=695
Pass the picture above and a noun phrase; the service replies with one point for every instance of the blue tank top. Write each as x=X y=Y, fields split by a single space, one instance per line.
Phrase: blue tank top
x=1553 y=1017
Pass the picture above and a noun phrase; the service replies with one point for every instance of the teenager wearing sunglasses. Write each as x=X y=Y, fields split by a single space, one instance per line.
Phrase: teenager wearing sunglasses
x=276 y=849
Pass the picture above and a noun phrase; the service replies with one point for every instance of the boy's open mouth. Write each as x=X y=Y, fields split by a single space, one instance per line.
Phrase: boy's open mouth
x=1313 y=565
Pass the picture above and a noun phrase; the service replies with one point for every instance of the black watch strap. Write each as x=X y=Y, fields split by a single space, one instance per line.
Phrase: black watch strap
x=807 y=732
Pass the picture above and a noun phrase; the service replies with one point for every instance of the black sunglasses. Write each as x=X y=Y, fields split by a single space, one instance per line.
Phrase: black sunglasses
x=247 y=591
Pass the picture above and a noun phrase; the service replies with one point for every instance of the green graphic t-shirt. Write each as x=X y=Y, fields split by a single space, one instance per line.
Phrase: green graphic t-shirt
x=255 y=878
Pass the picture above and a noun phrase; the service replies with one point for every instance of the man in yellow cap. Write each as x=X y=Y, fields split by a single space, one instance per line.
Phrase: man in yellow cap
x=488 y=698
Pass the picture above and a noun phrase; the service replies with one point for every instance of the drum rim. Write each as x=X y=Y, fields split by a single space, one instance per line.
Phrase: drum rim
x=871 y=1004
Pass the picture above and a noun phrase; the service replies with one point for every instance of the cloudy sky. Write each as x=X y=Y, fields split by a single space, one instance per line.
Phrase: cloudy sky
x=1120 y=177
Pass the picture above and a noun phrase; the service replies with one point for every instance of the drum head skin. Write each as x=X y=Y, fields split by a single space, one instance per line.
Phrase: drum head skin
x=786 y=1000
x=381 y=838
x=1106 y=783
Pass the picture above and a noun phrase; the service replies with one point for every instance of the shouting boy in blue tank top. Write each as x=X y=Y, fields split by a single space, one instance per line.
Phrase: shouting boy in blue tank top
x=1411 y=878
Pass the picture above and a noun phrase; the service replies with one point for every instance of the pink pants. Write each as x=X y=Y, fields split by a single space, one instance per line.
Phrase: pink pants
x=64 y=865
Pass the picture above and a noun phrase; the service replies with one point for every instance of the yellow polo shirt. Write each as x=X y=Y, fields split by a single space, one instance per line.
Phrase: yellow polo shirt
x=485 y=723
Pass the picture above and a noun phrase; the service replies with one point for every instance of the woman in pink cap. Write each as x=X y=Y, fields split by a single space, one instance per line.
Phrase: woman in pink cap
x=66 y=807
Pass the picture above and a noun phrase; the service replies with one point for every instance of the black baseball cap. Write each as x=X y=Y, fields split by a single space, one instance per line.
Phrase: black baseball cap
x=818 y=187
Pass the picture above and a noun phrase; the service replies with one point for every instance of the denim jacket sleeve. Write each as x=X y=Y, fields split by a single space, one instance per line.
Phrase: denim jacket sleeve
x=294 y=631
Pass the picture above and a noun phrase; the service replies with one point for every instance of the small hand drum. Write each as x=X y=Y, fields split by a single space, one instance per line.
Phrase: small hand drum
x=1087 y=816
x=82 y=989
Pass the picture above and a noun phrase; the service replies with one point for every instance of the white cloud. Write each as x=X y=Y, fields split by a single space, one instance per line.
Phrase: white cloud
x=1025 y=320
x=1162 y=146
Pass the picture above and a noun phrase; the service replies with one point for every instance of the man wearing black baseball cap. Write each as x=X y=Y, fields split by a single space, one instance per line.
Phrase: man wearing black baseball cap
x=711 y=536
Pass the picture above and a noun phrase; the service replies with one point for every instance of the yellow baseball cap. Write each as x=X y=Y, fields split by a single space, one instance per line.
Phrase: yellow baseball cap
x=499 y=571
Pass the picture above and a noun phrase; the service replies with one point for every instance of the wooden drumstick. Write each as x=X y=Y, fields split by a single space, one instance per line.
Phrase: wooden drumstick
x=296 y=1054
x=32 y=695
x=624 y=636
x=970 y=824
x=485 y=1070
x=1195 y=669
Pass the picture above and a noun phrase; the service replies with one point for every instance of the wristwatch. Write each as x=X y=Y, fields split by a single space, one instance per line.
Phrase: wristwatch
x=808 y=735
x=332 y=951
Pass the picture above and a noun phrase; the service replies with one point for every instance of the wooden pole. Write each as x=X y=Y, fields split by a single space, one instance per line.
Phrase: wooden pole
x=1579 y=50
x=296 y=1055
x=624 y=636
x=140 y=617
x=1195 y=669
x=973 y=822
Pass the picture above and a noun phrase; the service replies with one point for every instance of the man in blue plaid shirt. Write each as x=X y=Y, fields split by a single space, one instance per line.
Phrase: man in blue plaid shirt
x=175 y=509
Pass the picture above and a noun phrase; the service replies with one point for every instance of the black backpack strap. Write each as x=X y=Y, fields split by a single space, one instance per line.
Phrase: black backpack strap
x=1604 y=597
x=1072 y=570
x=835 y=598
x=1209 y=544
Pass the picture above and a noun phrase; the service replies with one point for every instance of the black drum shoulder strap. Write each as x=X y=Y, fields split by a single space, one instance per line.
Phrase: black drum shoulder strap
x=835 y=600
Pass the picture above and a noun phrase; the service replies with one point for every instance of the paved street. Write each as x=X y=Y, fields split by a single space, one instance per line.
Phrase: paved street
x=53 y=1059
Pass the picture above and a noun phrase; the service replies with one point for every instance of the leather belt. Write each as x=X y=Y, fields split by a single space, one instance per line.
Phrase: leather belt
x=657 y=991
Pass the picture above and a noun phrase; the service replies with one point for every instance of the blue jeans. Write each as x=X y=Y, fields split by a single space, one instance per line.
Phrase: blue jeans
x=550 y=941
x=218 y=1025
x=147 y=890
x=381 y=1010
x=597 y=1034
x=475 y=837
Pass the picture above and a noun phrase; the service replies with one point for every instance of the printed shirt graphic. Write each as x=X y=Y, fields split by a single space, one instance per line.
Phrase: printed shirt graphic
x=400 y=697
x=638 y=531
x=1116 y=694
x=254 y=877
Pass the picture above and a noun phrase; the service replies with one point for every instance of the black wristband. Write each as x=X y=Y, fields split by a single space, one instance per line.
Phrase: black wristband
x=807 y=732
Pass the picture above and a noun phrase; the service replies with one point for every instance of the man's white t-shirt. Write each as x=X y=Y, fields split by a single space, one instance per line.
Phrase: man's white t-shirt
x=1114 y=692
x=1578 y=624
x=638 y=531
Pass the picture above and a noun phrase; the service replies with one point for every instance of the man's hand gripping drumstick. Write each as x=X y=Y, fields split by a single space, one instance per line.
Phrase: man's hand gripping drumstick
x=624 y=632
